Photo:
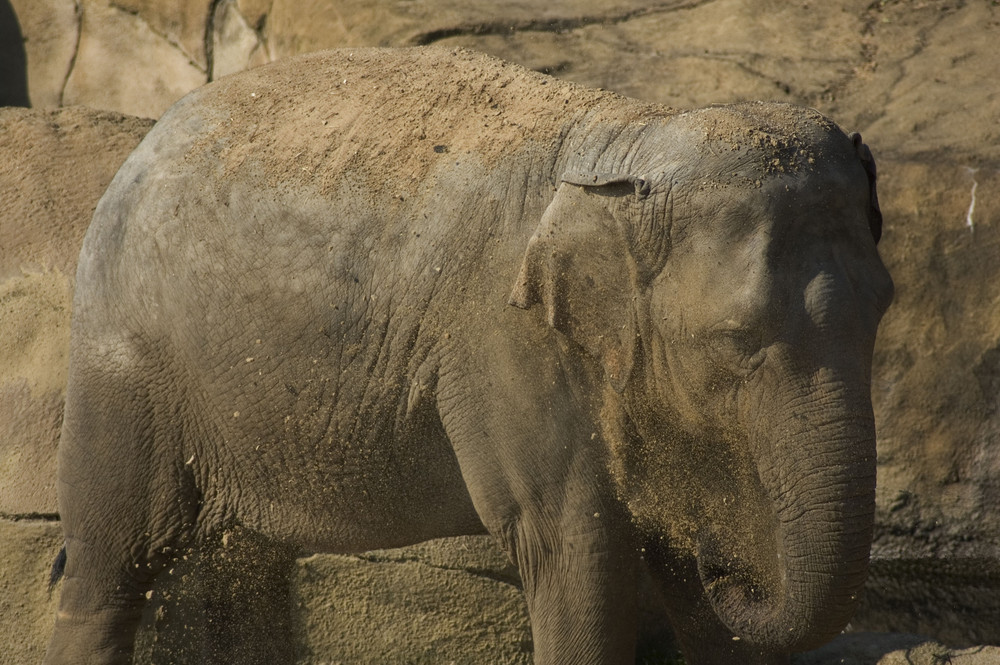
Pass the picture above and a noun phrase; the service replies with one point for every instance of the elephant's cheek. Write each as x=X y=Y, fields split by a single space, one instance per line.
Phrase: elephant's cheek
x=691 y=489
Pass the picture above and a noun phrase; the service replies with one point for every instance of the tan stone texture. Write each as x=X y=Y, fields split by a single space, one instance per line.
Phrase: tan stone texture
x=27 y=607
x=54 y=167
x=181 y=23
x=123 y=64
x=236 y=44
x=936 y=385
x=50 y=29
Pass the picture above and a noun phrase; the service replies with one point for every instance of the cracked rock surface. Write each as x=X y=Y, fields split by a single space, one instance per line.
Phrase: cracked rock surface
x=887 y=68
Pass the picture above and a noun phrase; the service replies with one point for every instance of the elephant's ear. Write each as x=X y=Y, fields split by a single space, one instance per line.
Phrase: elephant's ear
x=865 y=155
x=578 y=266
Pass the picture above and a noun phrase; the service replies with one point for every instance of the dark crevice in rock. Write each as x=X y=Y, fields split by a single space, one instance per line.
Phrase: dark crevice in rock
x=165 y=37
x=78 y=11
x=13 y=60
x=486 y=573
x=547 y=25
x=209 y=38
x=508 y=578
x=987 y=370
x=126 y=10
x=260 y=29
x=30 y=517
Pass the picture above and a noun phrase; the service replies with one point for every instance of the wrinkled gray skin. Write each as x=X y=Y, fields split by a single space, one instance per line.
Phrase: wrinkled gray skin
x=620 y=335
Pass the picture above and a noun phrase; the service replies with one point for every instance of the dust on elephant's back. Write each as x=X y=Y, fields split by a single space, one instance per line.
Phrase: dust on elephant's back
x=325 y=119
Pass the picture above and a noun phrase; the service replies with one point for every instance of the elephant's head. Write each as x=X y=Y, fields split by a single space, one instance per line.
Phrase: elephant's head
x=724 y=274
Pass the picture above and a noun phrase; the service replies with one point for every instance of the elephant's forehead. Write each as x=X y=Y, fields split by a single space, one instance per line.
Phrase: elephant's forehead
x=764 y=125
x=742 y=144
x=709 y=211
x=737 y=207
x=733 y=244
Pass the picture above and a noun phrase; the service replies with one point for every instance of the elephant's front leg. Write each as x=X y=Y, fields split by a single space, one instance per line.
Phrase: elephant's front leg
x=580 y=587
x=526 y=439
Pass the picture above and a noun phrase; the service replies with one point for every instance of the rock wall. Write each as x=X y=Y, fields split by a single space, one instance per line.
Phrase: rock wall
x=891 y=68
x=913 y=77
x=937 y=380
x=54 y=167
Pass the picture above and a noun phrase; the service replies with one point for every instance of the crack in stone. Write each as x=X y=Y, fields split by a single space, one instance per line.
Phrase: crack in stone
x=869 y=49
x=554 y=25
x=78 y=12
x=485 y=573
x=209 y=39
x=29 y=517
x=740 y=61
x=740 y=64
x=261 y=28
x=165 y=37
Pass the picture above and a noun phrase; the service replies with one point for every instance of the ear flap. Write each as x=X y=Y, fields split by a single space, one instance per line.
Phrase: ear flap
x=578 y=266
x=869 y=163
x=601 y=179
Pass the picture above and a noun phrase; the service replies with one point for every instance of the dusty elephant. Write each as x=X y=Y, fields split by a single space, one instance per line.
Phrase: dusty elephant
x=362 y=299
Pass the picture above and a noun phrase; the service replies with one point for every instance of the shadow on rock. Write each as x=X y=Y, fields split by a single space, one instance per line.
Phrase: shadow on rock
x=895 y=649
x=13 y=61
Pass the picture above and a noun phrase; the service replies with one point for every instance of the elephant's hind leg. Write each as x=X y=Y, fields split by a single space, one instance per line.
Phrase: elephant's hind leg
x=125 y=506
x=100 y=607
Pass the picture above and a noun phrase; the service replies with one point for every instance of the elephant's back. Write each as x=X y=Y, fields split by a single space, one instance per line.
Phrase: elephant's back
x=348 y=129
x=396 y=115
x=317 y=166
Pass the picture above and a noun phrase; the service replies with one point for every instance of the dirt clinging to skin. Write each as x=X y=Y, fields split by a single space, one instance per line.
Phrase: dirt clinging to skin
x=430 y=105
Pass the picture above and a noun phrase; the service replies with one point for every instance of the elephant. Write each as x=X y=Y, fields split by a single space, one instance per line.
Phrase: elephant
x=364 y=298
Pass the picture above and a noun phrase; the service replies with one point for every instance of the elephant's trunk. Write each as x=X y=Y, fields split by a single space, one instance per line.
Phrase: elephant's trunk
x=819 y=474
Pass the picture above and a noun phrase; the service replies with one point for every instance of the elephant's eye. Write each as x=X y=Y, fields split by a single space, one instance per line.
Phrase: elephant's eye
x=738 y=350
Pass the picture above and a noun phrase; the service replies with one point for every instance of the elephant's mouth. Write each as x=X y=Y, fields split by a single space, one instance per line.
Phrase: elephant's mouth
x=733 y=582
